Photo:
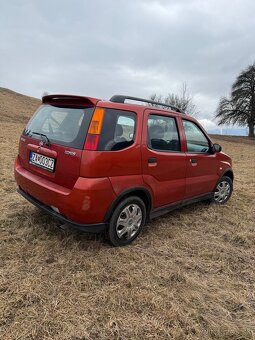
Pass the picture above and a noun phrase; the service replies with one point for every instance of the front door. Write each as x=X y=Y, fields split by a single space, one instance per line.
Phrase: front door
x=163 y=161
x=201 y=164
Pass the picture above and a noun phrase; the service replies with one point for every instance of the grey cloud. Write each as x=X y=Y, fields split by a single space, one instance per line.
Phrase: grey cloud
x=137 y=47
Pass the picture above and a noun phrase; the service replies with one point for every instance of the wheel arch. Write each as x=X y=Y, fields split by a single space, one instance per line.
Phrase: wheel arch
x=140 y=192
x=229 y=173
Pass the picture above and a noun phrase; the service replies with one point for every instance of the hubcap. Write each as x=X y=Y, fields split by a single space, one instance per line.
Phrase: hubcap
x=129 y=221
x=222 y=192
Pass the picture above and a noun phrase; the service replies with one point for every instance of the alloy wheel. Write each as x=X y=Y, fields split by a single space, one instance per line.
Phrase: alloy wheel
x=222 y=192
x=129 y=222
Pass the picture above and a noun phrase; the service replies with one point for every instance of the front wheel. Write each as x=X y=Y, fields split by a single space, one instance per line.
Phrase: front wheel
x=127 y=221
x=223 y=190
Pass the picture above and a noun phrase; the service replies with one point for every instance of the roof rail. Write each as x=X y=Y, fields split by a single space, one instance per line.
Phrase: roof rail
x=121 y=99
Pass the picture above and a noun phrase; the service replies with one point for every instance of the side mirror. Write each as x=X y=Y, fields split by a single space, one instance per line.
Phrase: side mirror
x=217 y=147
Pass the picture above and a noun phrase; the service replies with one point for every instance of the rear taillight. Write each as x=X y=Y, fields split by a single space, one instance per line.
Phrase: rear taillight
x=91 y=142
x=95 y=127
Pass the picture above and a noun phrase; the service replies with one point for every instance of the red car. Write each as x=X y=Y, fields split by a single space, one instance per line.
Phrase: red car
x=109 y=165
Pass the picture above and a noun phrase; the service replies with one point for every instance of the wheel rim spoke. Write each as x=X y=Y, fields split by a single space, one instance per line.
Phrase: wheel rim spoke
x=129 y=232
x=126 y=212
x=138 y=221
x=122 y=231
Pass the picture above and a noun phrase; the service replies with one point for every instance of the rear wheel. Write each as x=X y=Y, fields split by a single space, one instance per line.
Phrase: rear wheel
x=127 y=221
x=223 y=190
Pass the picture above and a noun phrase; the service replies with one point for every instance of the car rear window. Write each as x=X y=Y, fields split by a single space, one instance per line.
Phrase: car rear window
x=62 y=125
x=118 y=130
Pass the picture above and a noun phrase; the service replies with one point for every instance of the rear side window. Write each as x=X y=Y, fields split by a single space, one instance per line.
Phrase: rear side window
x=62 y=125
x=196 y=140
x=118 y=130
x=163 y=134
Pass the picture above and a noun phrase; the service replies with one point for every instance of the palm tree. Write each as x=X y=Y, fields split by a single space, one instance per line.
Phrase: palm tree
x=240 y=107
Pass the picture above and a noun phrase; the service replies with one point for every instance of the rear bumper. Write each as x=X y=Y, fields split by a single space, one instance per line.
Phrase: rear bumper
x=85 y=204
x=91 y=228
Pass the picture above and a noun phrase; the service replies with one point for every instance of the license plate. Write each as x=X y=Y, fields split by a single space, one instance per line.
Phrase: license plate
x=42 y=161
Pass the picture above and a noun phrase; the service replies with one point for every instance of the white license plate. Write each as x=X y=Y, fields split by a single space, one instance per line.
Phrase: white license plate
x=42 y=161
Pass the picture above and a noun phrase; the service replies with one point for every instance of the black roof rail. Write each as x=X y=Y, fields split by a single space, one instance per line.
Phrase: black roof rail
x=121 y=99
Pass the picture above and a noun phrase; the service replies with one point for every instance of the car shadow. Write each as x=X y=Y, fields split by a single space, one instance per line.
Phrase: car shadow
x=46 y=225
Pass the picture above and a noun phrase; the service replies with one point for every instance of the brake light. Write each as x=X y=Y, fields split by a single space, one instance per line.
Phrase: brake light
x=95 y=127
x=91 y=142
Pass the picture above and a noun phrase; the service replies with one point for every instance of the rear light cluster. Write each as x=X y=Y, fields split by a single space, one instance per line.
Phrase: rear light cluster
x=95 y=127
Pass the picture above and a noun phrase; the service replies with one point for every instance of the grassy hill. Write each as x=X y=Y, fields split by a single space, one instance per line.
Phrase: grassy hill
x=16 y=107
x=190 y=275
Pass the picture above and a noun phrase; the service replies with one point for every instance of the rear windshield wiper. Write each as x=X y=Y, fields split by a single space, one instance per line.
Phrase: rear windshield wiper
x=45 y=139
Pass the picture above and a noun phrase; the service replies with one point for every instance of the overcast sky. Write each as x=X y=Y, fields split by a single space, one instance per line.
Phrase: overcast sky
x=136 y=47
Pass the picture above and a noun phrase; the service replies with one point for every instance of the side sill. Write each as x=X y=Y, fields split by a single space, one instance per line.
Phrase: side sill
x=167 y=208
x=89 y=228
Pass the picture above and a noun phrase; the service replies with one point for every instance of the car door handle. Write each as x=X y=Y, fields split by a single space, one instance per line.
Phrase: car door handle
x=152 y=161
x=193 y=161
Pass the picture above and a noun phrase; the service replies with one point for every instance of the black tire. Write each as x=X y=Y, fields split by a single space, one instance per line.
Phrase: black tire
x=122 y=221
x=219 y=198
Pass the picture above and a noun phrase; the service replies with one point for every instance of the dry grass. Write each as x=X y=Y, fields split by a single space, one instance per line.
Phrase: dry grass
x=190 y=275
x=235 y=139
x=16 y=107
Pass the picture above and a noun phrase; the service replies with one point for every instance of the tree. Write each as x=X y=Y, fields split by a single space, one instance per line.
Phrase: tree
x=183 y=101
x=45 y=93
x=239 y=108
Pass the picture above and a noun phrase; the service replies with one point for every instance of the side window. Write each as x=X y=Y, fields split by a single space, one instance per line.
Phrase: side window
x=196 y=140
x=162 y=133
x=127 y=125
x=118 y=130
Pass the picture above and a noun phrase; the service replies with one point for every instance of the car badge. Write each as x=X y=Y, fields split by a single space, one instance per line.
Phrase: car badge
x=71 y=153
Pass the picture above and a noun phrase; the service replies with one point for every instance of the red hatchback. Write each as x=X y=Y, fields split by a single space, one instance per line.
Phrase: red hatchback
x=109 y=165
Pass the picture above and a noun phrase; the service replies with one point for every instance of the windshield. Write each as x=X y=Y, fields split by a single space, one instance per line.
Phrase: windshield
x=62 y=125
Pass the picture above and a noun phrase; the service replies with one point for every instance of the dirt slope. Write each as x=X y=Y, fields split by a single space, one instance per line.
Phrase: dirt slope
x=16 y=107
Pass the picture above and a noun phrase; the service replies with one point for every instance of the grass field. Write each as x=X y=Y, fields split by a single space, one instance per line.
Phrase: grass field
x=190 y=275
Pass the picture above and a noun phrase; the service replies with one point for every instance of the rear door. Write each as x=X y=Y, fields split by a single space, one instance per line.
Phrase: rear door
x=163 y=160
x=51 y=145
x=201 y=163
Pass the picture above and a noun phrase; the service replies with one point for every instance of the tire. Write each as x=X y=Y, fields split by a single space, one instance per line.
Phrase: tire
x=127 y=221
x=223 y=190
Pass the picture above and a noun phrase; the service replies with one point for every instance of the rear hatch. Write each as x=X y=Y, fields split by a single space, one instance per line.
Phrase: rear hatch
x=51 y=144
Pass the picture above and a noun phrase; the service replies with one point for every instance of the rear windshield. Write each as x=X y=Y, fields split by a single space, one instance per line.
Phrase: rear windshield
x=61 y=124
